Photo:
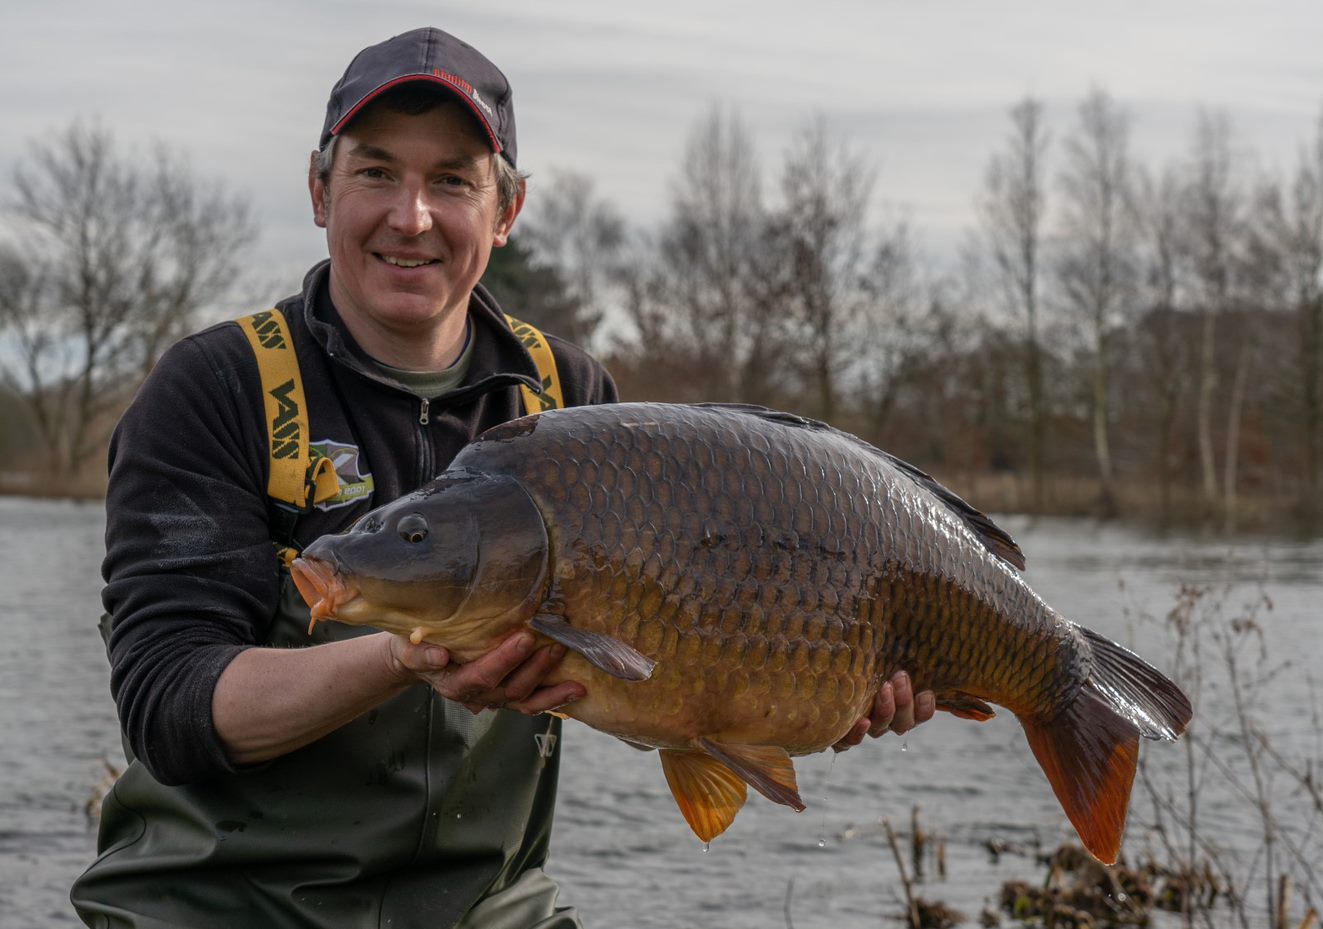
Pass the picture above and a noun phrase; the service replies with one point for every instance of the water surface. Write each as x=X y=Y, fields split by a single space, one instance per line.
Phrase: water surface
x=621 y=851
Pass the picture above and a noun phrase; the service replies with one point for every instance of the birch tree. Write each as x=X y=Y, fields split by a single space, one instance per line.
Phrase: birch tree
x=1097 y=268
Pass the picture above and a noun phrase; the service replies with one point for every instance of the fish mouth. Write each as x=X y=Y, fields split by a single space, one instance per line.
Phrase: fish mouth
x=322 y=587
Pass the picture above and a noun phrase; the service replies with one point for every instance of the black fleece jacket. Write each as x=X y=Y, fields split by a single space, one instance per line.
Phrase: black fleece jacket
x=191 y=573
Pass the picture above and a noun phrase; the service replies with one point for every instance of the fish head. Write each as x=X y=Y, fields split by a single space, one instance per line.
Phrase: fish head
x=459 y=562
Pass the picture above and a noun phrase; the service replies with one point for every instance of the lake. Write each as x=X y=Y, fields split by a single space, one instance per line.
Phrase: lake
x=622 y=852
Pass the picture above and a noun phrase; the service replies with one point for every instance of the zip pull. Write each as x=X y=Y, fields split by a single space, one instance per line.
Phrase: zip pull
x=422 y=411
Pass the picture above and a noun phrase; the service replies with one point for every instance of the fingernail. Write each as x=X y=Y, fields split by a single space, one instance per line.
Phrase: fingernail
x=524 y=644
x=567 y=701
x=926 y=702
x=887 y=688
x=435 y=657
x=900 y=678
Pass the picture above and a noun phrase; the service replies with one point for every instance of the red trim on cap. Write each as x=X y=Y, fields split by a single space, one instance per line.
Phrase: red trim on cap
x=434 y=79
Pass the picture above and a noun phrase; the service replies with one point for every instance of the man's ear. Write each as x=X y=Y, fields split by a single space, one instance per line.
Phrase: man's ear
x=505 y=222
x=317 y=190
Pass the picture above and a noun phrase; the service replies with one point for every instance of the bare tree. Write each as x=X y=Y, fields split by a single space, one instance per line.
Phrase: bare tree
x=821 y=233
x=1163 y=356
x=1294 y=229
x=897 y=328
x=569 y=228
x=714 y=269
x=1013 y=207
x=110 y=257
x=1215 y=203
x=1097 y=267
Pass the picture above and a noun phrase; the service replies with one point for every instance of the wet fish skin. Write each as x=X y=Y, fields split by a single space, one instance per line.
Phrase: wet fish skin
x=735 y=583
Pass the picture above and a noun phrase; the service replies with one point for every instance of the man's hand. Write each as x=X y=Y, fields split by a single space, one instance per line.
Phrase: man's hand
x=897 y=709
x=508 y=677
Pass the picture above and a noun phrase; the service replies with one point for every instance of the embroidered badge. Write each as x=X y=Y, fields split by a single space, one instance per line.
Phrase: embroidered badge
x=355 y=483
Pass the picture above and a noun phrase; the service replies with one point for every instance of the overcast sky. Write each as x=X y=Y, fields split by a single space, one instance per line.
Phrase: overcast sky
x=612 y=88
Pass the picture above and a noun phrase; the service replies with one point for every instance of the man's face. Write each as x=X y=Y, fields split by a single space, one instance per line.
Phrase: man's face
x=411 y=217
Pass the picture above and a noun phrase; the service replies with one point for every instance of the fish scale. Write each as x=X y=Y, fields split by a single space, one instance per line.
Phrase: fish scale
x=733 y=585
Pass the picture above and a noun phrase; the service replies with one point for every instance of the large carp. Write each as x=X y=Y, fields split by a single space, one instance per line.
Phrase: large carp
x=733 y=584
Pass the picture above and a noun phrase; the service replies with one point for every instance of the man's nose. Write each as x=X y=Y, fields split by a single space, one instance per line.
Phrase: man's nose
x=410 y=213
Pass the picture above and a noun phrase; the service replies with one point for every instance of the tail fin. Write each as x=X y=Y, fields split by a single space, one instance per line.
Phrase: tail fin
x=1089 y=751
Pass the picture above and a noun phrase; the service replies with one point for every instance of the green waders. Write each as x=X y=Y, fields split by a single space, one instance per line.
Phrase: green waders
x=416 y=815
x=403 y=818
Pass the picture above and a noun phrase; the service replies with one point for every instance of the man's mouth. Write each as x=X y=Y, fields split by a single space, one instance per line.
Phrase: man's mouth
x=406 y=262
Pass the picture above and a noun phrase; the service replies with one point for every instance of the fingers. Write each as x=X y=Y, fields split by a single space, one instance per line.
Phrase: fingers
x=853 y=737
x=509 y=676
x=884 y=707
x=898 y=709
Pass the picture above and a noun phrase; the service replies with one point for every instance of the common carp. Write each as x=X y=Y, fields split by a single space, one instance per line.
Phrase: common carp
x=733 y=584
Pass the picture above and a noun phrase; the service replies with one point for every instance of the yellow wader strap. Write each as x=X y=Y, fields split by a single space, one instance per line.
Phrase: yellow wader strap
x=299 y=476
x=549 y=398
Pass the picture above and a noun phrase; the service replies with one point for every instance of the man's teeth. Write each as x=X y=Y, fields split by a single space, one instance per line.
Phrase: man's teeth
x=407 y=262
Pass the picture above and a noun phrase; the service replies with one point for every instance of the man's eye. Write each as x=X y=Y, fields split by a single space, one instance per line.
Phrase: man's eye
x=373 y=172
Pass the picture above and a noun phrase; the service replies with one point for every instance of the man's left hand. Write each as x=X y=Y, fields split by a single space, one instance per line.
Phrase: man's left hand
x=897 y=709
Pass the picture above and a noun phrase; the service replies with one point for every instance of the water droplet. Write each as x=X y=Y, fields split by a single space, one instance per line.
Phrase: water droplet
x=822 y=843
x=1120 y=898
x=459 y=815
x=705 y=846
x=905 y=746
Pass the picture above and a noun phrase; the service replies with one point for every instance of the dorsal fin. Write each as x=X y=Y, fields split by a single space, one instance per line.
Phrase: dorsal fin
x=994 y=538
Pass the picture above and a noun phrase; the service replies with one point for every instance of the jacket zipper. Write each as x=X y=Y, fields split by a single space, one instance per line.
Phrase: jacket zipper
x=423 y=418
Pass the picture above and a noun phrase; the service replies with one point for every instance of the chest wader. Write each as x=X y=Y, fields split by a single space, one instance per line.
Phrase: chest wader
x=416 y=814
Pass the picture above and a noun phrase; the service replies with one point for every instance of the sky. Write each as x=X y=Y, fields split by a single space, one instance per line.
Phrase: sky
x=613 y=89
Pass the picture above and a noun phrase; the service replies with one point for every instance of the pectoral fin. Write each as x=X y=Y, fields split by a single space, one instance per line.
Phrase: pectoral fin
x=767 y=769
x=708 y=793
x=603 y=652
x=964 y=706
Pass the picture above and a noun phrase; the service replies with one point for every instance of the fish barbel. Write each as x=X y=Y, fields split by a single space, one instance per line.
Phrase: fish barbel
x=733 y=585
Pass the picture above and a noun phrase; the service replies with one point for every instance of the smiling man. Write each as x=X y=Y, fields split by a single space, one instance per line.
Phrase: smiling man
x=338 y=779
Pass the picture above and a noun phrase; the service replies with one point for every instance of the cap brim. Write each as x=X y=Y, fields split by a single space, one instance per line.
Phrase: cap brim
x=431 y=79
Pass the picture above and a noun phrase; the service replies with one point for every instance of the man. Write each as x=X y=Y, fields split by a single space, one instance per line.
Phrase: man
x=347 y=778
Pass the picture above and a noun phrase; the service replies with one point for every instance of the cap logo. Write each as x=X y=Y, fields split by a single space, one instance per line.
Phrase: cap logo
x=466 y=87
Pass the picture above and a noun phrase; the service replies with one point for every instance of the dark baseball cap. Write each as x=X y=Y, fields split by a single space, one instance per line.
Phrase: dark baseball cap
x=432 y=56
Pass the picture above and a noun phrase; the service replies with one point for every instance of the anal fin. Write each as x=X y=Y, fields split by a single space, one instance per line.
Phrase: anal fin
x=961 y=704
x=708 y=793
x=602 y=651
x=767 y=769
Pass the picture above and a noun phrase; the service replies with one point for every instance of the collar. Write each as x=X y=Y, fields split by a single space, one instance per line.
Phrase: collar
x=499 y=357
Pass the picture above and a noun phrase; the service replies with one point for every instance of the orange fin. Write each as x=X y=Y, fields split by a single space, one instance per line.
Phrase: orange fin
x=708 y=793
x=1089 y=754
x=963 y=705
x=1089 y=750
x=767 y=769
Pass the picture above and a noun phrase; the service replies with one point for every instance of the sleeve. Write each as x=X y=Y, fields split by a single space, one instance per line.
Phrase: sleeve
x=191 y=577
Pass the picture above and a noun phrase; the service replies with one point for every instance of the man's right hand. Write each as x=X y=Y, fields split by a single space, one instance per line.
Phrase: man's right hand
x=508 y=677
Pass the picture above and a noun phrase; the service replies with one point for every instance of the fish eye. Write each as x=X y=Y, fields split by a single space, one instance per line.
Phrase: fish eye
x=413 y=528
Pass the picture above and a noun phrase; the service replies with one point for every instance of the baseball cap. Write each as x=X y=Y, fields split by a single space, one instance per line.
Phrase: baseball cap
x=428 y=55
